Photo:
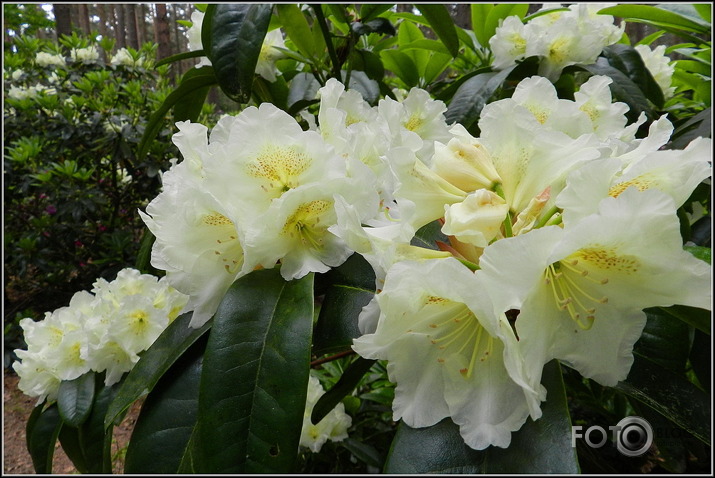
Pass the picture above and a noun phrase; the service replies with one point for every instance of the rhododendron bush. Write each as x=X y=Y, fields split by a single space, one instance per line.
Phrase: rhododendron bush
x=422 y=255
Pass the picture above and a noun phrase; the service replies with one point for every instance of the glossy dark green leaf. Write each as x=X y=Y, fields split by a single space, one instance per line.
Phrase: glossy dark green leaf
x=72 y=446
x=351 y=287
x=472 y=96
x=378 y=25
x=338 y=12
x=297 y=29
x=347 y=383
x=155 y=361
x=668 y=437
x=237 y=34
x=42 y=432
x=695 y=126
x=255 y=375
x=428 y=235
x=622 y=87
x=671 y=395
x=701 y=359
x=629 y=61
x=698 y=318
x=367 y=87
x=201 y=78
x=541 y=446
x=207 y=27
x=143 y=262
x=368 y=11
x=189 y=108
x=364 y=452
x=167 y=418
x=665 y=340
x=368 y=62
x=191 y=460
x=75 y=398
x=654 y=15
x=95 y=440
x=441 y=22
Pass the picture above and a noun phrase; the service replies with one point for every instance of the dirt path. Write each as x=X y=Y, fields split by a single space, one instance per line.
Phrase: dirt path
x=17 y=408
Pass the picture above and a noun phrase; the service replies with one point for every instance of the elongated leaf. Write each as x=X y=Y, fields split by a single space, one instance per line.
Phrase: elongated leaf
x=297 y=29
x=469 y=100
x=189 y=108
x=255 y=375
x=479 y=13
x=665 y=341
x=368 y=88
x=347 y=383
x=237 y=34
x=702 y=253
x=167 y=418
x=75 y=398
x=441 y=22
x=207 y=28
x=698 y=318
x=671 y=395
x=654 y=14
x=155 y=361
x=352 y=286
x=428 y=235
x=42 y=432
x=541 y=446
x=181 y=56
x=95 y=440
x=401 y=65
x=72 y=446
x=303 y=87
x=701 y=359
x=368 y=11
x=202 y=78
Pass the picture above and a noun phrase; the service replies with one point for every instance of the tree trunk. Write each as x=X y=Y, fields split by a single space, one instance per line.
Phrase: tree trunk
x=63 y=18
x=177 y=46
x=130 y=19
x=161 y=32
x=141 y=23
x=462 y=15
x=83 y=18
x=121 y=31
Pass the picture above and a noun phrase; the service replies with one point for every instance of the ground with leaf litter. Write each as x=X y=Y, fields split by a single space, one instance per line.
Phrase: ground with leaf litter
x=17 y=408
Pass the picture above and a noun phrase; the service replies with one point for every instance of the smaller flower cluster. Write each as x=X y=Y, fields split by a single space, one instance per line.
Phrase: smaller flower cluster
x=658 y=64
x=102 y=331
x=334 y=426
x=560 y=38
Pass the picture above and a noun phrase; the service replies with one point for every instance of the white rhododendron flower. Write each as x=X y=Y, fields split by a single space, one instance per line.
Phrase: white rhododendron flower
x=580 y=289
x=560 y=39
x=334 y=426
x=88 y=54
x=103 y=331
x=194 y=34
x=48 y=59
x=450 y=354
x=266 y=66
x=123 y=57
x=658 y=64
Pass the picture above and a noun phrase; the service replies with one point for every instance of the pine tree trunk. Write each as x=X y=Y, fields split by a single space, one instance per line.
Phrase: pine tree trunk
x=83 y=18
x=177 y=47
x=63 y=18
x=462 y=15
x=141 y=23
x=131 y=25
x=121 y=31
x=161 y=31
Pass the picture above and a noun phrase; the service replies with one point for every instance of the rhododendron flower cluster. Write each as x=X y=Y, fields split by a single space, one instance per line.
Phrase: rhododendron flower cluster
x=334 y=426
x=102 y=331
x=559 y=38
x=559 y=227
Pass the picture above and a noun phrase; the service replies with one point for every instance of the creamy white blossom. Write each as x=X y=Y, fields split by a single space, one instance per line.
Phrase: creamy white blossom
x=88 y=54
x=659 y=65
x=49 y=59
x=334 y=426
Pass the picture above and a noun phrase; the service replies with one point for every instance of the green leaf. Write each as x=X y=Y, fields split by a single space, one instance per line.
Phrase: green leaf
x=428 y=235
x=469 y=100
x=155 y=361
x=629 y=61
x=654 y=15
x=189 y=108
x=541 y=446
x=96 y=443
x=701 y=359
x=698 y=318
x=181 y=56
x=401 y=65
x=441 y=22
x=368 y=11
x=167 y=418
x=201 y=78
x=499 y=12
x=671 y=395
x=75 y=398
x=72 y=446
x=42 y=431
x=352 y=286
x=702 y=253
x=665 y=341
x=303 y=87
x=378 y=25
x=143 y=262
x=237 y=34
x=297 y=29
x=207 y=28
x=255 y=375
x=368 y=88
x=705 y=10
x=480 y=12
x=347 y=383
